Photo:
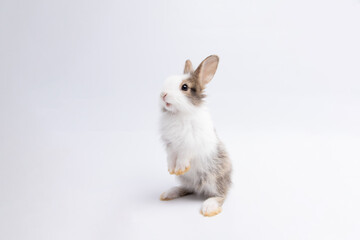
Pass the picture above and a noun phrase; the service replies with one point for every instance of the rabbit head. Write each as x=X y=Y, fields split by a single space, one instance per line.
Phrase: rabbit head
x=185 y=92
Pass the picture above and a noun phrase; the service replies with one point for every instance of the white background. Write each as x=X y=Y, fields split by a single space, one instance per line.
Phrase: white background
x=80 y=155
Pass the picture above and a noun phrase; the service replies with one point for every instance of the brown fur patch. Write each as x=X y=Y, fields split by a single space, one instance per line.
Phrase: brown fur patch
x=223 y=171
x=195 y=92
x=199 y=78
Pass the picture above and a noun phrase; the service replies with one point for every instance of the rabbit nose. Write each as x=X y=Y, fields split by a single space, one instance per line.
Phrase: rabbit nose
x=164 y=95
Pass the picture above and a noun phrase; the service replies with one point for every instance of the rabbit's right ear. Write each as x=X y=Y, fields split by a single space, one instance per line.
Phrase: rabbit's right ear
x=188 y=67
x=206 y=70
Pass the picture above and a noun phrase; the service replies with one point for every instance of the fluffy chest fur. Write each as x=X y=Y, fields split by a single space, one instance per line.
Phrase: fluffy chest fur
x=190 y=134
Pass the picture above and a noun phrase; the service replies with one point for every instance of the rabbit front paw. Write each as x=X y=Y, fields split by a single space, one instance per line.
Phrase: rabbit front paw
x=181 y=169
x=171 y=171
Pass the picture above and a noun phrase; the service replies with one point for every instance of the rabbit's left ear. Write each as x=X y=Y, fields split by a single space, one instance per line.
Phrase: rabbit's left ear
x=188 y=67
x=206 y=70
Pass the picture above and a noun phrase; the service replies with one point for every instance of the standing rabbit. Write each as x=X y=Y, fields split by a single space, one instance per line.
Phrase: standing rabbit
x=194 y=152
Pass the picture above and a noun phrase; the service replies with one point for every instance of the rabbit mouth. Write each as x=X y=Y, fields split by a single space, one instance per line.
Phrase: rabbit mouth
x=166 y=103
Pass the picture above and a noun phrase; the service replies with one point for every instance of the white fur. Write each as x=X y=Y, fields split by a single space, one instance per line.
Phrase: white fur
x=209 y=206
x=188 y=134
x=178 y=101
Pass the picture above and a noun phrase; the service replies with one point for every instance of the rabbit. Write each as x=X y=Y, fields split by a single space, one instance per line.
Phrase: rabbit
x=194 y=152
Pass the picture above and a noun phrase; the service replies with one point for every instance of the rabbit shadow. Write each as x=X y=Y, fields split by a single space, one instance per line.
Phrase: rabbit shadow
x=154 y=196
x=193 y=197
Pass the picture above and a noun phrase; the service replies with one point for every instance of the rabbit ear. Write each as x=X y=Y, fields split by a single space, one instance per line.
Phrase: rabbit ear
x=188 y=67
x=206 y=70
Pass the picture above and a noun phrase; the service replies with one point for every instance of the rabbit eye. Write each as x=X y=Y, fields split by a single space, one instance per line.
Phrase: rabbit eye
x=184 y=87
